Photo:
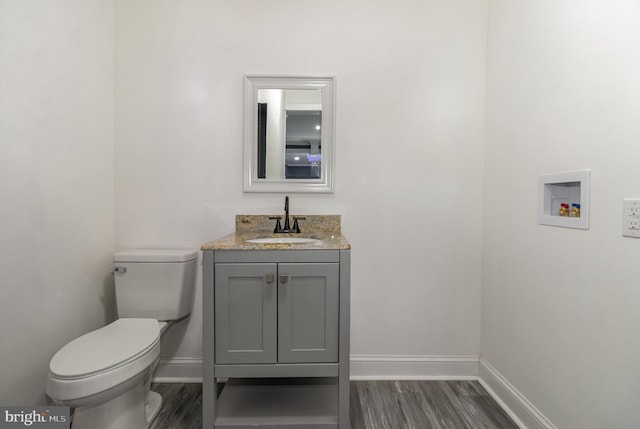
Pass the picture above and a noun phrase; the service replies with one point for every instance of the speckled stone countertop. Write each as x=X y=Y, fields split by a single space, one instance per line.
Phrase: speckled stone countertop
x=325 y=228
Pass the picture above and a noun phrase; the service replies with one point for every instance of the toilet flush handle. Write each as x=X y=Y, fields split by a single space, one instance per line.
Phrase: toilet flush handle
x=120 y=270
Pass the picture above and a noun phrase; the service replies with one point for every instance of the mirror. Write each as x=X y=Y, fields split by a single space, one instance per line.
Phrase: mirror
x=288 y=134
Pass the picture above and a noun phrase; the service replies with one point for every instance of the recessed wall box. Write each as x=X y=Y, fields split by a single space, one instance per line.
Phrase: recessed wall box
x=561 y=190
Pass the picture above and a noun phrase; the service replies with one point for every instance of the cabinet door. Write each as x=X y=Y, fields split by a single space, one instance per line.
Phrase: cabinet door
x=245 y=313
x=308 y=312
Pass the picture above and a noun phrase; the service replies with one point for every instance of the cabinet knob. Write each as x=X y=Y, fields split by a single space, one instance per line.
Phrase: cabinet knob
x=268 y=278
x=283 y=279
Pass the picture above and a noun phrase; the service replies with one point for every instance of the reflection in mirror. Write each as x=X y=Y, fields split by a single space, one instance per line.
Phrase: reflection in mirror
x=288 y=134
x=289 y=137
x=303 y=147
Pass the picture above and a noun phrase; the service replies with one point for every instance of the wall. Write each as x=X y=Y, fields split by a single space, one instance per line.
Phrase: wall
x=560 y=306
x=56 y=184
x=410 y=126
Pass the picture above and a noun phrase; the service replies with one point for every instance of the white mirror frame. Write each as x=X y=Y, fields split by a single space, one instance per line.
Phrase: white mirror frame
x=253 y=83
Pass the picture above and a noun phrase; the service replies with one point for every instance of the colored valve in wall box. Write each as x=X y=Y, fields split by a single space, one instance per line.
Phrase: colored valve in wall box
x=573 y=212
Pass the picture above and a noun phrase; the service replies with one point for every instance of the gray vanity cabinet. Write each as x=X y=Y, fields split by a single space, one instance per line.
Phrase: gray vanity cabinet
x=276 y=313
x=276 y=332
x=245 y=313
x=308 y=312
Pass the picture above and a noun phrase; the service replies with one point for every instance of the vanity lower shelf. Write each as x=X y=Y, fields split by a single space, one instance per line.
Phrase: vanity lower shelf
x=278 y=403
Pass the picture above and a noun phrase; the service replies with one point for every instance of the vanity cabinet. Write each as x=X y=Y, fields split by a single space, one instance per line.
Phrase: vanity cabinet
x=276 y=313
x=276 y=331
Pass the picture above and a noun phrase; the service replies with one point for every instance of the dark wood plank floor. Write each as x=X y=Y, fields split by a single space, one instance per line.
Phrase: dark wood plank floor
x=374 y=405
x=181 y=406
x=425 y=405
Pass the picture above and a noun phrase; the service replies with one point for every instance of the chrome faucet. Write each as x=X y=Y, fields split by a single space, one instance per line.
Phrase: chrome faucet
x=287 y=225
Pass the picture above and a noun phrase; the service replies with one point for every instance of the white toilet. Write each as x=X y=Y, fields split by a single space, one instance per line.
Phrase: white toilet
x=106 y=374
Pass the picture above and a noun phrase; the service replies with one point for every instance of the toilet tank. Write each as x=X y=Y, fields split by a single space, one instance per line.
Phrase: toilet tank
x=155 y=283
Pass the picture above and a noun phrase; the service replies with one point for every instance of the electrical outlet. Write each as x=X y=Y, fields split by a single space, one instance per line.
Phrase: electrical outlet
x=631 y=217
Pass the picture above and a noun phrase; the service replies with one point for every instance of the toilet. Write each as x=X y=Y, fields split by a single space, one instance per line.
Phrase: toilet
x=105 y=375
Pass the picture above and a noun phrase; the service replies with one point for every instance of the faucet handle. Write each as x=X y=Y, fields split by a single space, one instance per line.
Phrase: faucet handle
x=296 y=227
x=278 y=227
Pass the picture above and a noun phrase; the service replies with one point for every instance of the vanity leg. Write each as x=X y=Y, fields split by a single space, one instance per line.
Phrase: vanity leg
x=344 y=421
x=209 y=403
x=209 y=384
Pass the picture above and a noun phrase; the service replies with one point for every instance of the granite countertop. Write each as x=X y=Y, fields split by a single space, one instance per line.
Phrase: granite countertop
x=325 y=228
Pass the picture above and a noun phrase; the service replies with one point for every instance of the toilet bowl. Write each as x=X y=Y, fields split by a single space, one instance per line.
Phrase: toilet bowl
x=105 y=375
x=104 y=364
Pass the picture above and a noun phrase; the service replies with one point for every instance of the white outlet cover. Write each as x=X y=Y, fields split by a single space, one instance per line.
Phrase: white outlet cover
x=631 y=217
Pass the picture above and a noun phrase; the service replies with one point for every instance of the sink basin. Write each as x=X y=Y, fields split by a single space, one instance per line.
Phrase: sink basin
x=283 y=240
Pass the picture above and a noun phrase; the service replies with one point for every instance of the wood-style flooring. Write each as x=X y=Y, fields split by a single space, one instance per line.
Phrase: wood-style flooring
x=425 y=405
x=374 y=405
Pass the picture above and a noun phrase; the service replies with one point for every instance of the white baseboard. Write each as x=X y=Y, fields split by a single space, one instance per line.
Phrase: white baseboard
x=363 y=367
x=178 y=370
x=393 y=367
x=511 y=400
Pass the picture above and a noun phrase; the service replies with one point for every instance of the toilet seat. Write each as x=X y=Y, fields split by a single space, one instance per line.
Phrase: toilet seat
x=103 y=358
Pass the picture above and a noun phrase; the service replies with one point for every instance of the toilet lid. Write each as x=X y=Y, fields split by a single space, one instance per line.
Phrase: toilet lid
x=111 y=346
